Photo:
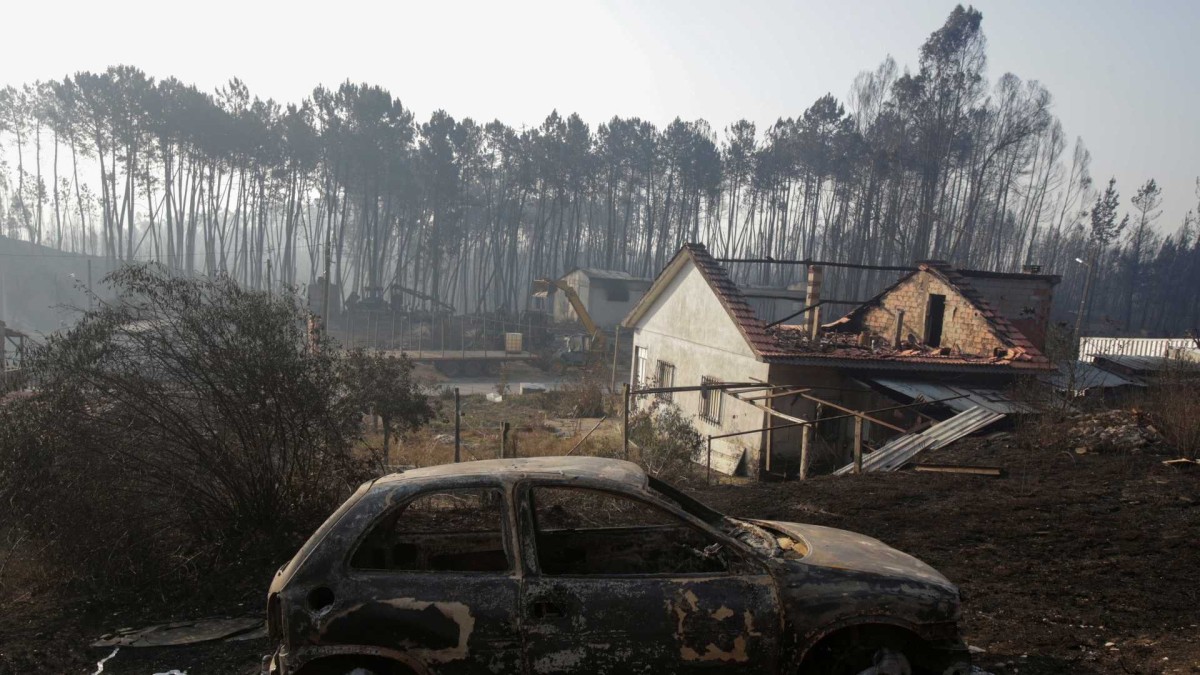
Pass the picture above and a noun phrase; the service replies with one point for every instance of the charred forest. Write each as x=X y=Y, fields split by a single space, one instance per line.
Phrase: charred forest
x=937 y=162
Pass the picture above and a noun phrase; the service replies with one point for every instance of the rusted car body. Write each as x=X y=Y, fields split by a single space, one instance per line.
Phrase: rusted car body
x=586 y=565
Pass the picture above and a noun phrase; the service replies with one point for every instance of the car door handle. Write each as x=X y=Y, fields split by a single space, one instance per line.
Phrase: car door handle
x=545 y=609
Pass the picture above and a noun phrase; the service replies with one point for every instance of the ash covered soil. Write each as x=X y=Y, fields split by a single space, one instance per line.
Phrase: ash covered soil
x=1072 y=563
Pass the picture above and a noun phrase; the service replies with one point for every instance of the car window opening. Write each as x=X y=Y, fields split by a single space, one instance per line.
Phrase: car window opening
x=443 y=531
x=594 y=533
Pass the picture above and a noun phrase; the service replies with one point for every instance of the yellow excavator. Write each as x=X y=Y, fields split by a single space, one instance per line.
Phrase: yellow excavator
x=573 y=353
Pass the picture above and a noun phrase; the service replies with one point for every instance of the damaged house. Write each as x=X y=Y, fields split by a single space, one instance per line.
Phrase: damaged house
x=926 y=361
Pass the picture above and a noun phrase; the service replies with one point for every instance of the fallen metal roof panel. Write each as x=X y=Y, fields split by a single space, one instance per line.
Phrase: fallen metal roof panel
x=902 y=449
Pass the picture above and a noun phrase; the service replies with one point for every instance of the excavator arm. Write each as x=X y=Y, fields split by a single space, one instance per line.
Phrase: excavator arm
x=599 y=339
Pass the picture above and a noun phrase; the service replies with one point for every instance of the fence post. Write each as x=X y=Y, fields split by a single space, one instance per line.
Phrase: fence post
x=503 y=439
x=625 y=420
x=457 y=427
x=805 y=435
x=858 y=429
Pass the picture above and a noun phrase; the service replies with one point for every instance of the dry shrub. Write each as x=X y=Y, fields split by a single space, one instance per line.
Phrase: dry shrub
x=1173 y=404
x=582 y=397
x=668 y=443
x=192 y=430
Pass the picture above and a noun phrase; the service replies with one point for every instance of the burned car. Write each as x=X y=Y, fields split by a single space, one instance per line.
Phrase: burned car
x=587 y=565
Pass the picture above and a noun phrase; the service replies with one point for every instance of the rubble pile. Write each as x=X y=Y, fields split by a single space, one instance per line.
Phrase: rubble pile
x=1111 y=431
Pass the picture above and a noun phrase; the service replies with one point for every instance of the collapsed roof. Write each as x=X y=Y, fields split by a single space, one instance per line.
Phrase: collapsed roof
x=843 y=342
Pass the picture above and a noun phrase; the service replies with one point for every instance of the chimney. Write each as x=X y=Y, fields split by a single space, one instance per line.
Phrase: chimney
x=812 y=297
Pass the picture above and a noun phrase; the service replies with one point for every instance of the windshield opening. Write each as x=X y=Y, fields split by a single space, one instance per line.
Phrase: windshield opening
x=685 y=502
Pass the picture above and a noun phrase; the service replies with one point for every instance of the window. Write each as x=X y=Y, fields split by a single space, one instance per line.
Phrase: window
x=666 y=378
x=710 y=401
x=617 y=292
x=935 y=312
x=443 y=531
x=640 y=363
x=588 y=532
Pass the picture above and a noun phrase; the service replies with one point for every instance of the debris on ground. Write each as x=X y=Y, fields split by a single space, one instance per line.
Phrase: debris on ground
x=1108 y=431
x=184 y=633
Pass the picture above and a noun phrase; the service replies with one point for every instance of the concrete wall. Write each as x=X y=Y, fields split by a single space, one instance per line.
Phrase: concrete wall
x=963 y=328
x=689 y=328
x=594 y=294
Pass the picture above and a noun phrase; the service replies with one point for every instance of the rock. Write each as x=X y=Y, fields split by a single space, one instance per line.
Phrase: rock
x=1081 y=450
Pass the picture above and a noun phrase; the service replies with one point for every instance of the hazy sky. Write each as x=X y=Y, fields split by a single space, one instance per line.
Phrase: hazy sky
x=1122 y=73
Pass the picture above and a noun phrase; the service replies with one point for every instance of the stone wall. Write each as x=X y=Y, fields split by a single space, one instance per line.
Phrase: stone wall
x=963 y=327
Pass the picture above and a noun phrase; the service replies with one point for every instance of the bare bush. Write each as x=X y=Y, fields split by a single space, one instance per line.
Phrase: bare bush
x=383 y=386
x=668 y=442
x=582 y=397
x=1173 y=404
x=191 y=428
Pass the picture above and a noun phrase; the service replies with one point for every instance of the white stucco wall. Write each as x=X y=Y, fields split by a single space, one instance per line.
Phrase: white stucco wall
x=688 y=326
x=607 y=314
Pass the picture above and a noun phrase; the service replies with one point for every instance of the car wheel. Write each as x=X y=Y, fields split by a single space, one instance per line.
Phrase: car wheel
x=886 y=661
x=864 y=659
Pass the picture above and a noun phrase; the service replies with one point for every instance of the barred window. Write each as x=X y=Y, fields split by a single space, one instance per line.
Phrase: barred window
x=666 y=378
x=710 y=401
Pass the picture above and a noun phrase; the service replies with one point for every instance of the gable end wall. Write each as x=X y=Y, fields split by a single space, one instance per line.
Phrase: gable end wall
x=963 y=328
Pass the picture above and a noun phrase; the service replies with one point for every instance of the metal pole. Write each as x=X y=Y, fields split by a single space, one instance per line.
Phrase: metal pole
x=708 y=477
x=1087 y=286
x=805 y=435
x=457 y=427
x=858 y=431
x=616 y=347
x=625 y=420
x=770 y=436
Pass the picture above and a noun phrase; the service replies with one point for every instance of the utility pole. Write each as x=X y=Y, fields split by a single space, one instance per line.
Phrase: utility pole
x=1087 y=287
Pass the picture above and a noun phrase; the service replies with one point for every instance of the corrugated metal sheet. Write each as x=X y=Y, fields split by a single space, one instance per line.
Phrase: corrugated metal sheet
x=1081 y=376
x=902 y=449
x=1089 y=347
x=991 y=399
x=1139 y=365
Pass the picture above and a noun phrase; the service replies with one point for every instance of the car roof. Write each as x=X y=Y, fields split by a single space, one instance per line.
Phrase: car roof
x=595 y=468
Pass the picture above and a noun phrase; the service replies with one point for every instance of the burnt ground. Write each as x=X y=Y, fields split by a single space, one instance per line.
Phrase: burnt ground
x=1062 y=557
x=1072 y=563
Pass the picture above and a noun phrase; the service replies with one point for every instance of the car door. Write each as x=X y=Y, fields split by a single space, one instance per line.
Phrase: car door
x=435 y=577
x=617 y=583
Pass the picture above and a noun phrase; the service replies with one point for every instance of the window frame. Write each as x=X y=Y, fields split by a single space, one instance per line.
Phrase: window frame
x=641 y=363
x=508 y=537
x=708 y=402
x=660 y=370
x=741 y=557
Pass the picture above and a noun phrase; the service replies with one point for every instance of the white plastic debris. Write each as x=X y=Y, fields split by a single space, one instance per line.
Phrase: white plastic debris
x=100 y=663
x=494 y=397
